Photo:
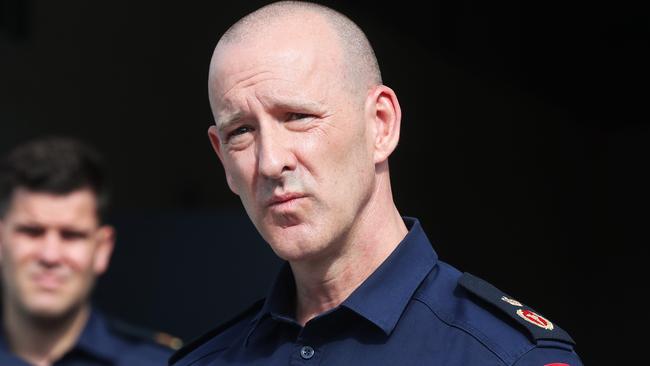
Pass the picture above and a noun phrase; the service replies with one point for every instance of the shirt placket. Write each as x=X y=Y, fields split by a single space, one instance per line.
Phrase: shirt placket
x=306 y=352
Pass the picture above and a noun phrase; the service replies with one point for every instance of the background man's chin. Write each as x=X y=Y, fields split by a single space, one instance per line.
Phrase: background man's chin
x=47 y=313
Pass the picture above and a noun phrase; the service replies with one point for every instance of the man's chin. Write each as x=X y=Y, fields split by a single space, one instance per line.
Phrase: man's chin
x=296 y=249
x=49 y=309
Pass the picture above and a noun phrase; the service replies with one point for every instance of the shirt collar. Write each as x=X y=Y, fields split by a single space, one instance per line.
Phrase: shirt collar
x=96 y=339
x=384 y=295
x=6 y=357
x=381 y=298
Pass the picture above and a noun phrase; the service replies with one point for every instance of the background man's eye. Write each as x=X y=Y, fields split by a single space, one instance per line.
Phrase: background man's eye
x=32 y=231
x=73 y=235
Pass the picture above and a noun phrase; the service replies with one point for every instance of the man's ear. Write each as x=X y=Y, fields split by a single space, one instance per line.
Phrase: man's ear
x=213 y=134
x=105 y=244
x=384 y=115
x=1 y=243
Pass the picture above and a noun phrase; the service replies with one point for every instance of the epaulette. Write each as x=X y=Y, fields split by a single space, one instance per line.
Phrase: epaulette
x=136 y=333
x=195 y=343
x=540 y=328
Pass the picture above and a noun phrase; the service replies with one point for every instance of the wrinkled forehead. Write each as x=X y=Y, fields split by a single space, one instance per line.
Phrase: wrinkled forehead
x=298 y=61
x=243 y=65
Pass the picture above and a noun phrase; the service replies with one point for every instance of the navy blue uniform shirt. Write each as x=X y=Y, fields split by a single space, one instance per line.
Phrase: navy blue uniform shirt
x=413 y=310
x=101 y=344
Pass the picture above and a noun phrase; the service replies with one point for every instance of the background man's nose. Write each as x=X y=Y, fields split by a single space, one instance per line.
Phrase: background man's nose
x=52 y=248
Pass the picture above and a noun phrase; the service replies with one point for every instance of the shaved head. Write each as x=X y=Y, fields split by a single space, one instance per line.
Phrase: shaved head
x=303 y=127
x=360 y=69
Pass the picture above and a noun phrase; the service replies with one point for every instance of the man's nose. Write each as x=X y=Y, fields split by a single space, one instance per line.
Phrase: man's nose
x=275 y=152
x=52 y=249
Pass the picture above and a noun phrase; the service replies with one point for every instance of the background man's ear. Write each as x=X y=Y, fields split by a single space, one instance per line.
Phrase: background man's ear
x=105 y=245
x=1 y=244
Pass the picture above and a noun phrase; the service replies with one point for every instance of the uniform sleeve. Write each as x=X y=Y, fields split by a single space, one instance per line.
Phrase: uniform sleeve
x=549 y=357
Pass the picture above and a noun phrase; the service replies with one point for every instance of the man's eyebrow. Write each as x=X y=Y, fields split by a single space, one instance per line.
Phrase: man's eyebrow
x=298 y=105
x=228 y=119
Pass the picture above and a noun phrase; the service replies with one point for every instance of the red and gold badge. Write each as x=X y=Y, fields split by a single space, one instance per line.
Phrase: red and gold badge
x=535 y=318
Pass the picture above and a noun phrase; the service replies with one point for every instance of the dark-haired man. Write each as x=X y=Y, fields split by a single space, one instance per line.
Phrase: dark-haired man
x=53 y=246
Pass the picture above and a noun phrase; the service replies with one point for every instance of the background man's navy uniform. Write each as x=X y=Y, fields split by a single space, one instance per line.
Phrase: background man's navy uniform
x=413 y=310
x=102 y=343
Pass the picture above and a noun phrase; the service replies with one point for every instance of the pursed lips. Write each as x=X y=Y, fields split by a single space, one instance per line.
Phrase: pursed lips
x=284 y=198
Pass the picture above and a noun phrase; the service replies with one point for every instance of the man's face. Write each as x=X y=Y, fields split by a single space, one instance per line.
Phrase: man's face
x=51 y=250
x=293 y=140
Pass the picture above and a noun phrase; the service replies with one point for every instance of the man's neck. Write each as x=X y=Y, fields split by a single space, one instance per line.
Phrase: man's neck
x=325 y=284
x=41 y=342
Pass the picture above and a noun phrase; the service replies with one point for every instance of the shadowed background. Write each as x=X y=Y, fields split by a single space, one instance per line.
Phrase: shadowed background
x=524 y=148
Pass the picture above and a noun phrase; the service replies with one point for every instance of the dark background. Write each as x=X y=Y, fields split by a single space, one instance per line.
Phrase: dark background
x=524 y=149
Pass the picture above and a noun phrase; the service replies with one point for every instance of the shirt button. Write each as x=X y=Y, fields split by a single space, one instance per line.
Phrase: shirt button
x=306 y=352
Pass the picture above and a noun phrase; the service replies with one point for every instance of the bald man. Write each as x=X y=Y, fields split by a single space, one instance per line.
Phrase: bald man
x=304 y=128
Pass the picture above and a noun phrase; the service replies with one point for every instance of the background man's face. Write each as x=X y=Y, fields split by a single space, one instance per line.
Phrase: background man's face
x=51 y=250
x=292 y=139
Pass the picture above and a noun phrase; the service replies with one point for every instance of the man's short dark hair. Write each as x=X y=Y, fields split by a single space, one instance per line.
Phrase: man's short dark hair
x=53 y=165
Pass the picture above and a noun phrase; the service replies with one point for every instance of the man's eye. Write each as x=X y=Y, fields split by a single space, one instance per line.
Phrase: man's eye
x=73 y=235
x=33 y=231
x=297 y=116
x=239 y=131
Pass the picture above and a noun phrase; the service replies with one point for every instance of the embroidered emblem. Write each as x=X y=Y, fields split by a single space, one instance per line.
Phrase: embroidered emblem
x=535 y=318
x=511 y=301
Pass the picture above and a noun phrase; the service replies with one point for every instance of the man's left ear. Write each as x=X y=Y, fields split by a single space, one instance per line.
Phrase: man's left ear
x=104 y=250
x=1 y=243
x=384 y=114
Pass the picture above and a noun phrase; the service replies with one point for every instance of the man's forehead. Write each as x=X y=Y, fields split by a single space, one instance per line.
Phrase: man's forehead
x=79 y=206
x=236 y=60
x=281 y=79
x=275 y=46
x=249 y=66
x=281 y=64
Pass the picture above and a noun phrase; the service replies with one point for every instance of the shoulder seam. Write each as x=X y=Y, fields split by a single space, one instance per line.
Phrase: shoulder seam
x=462 y=326
x=520 y=358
